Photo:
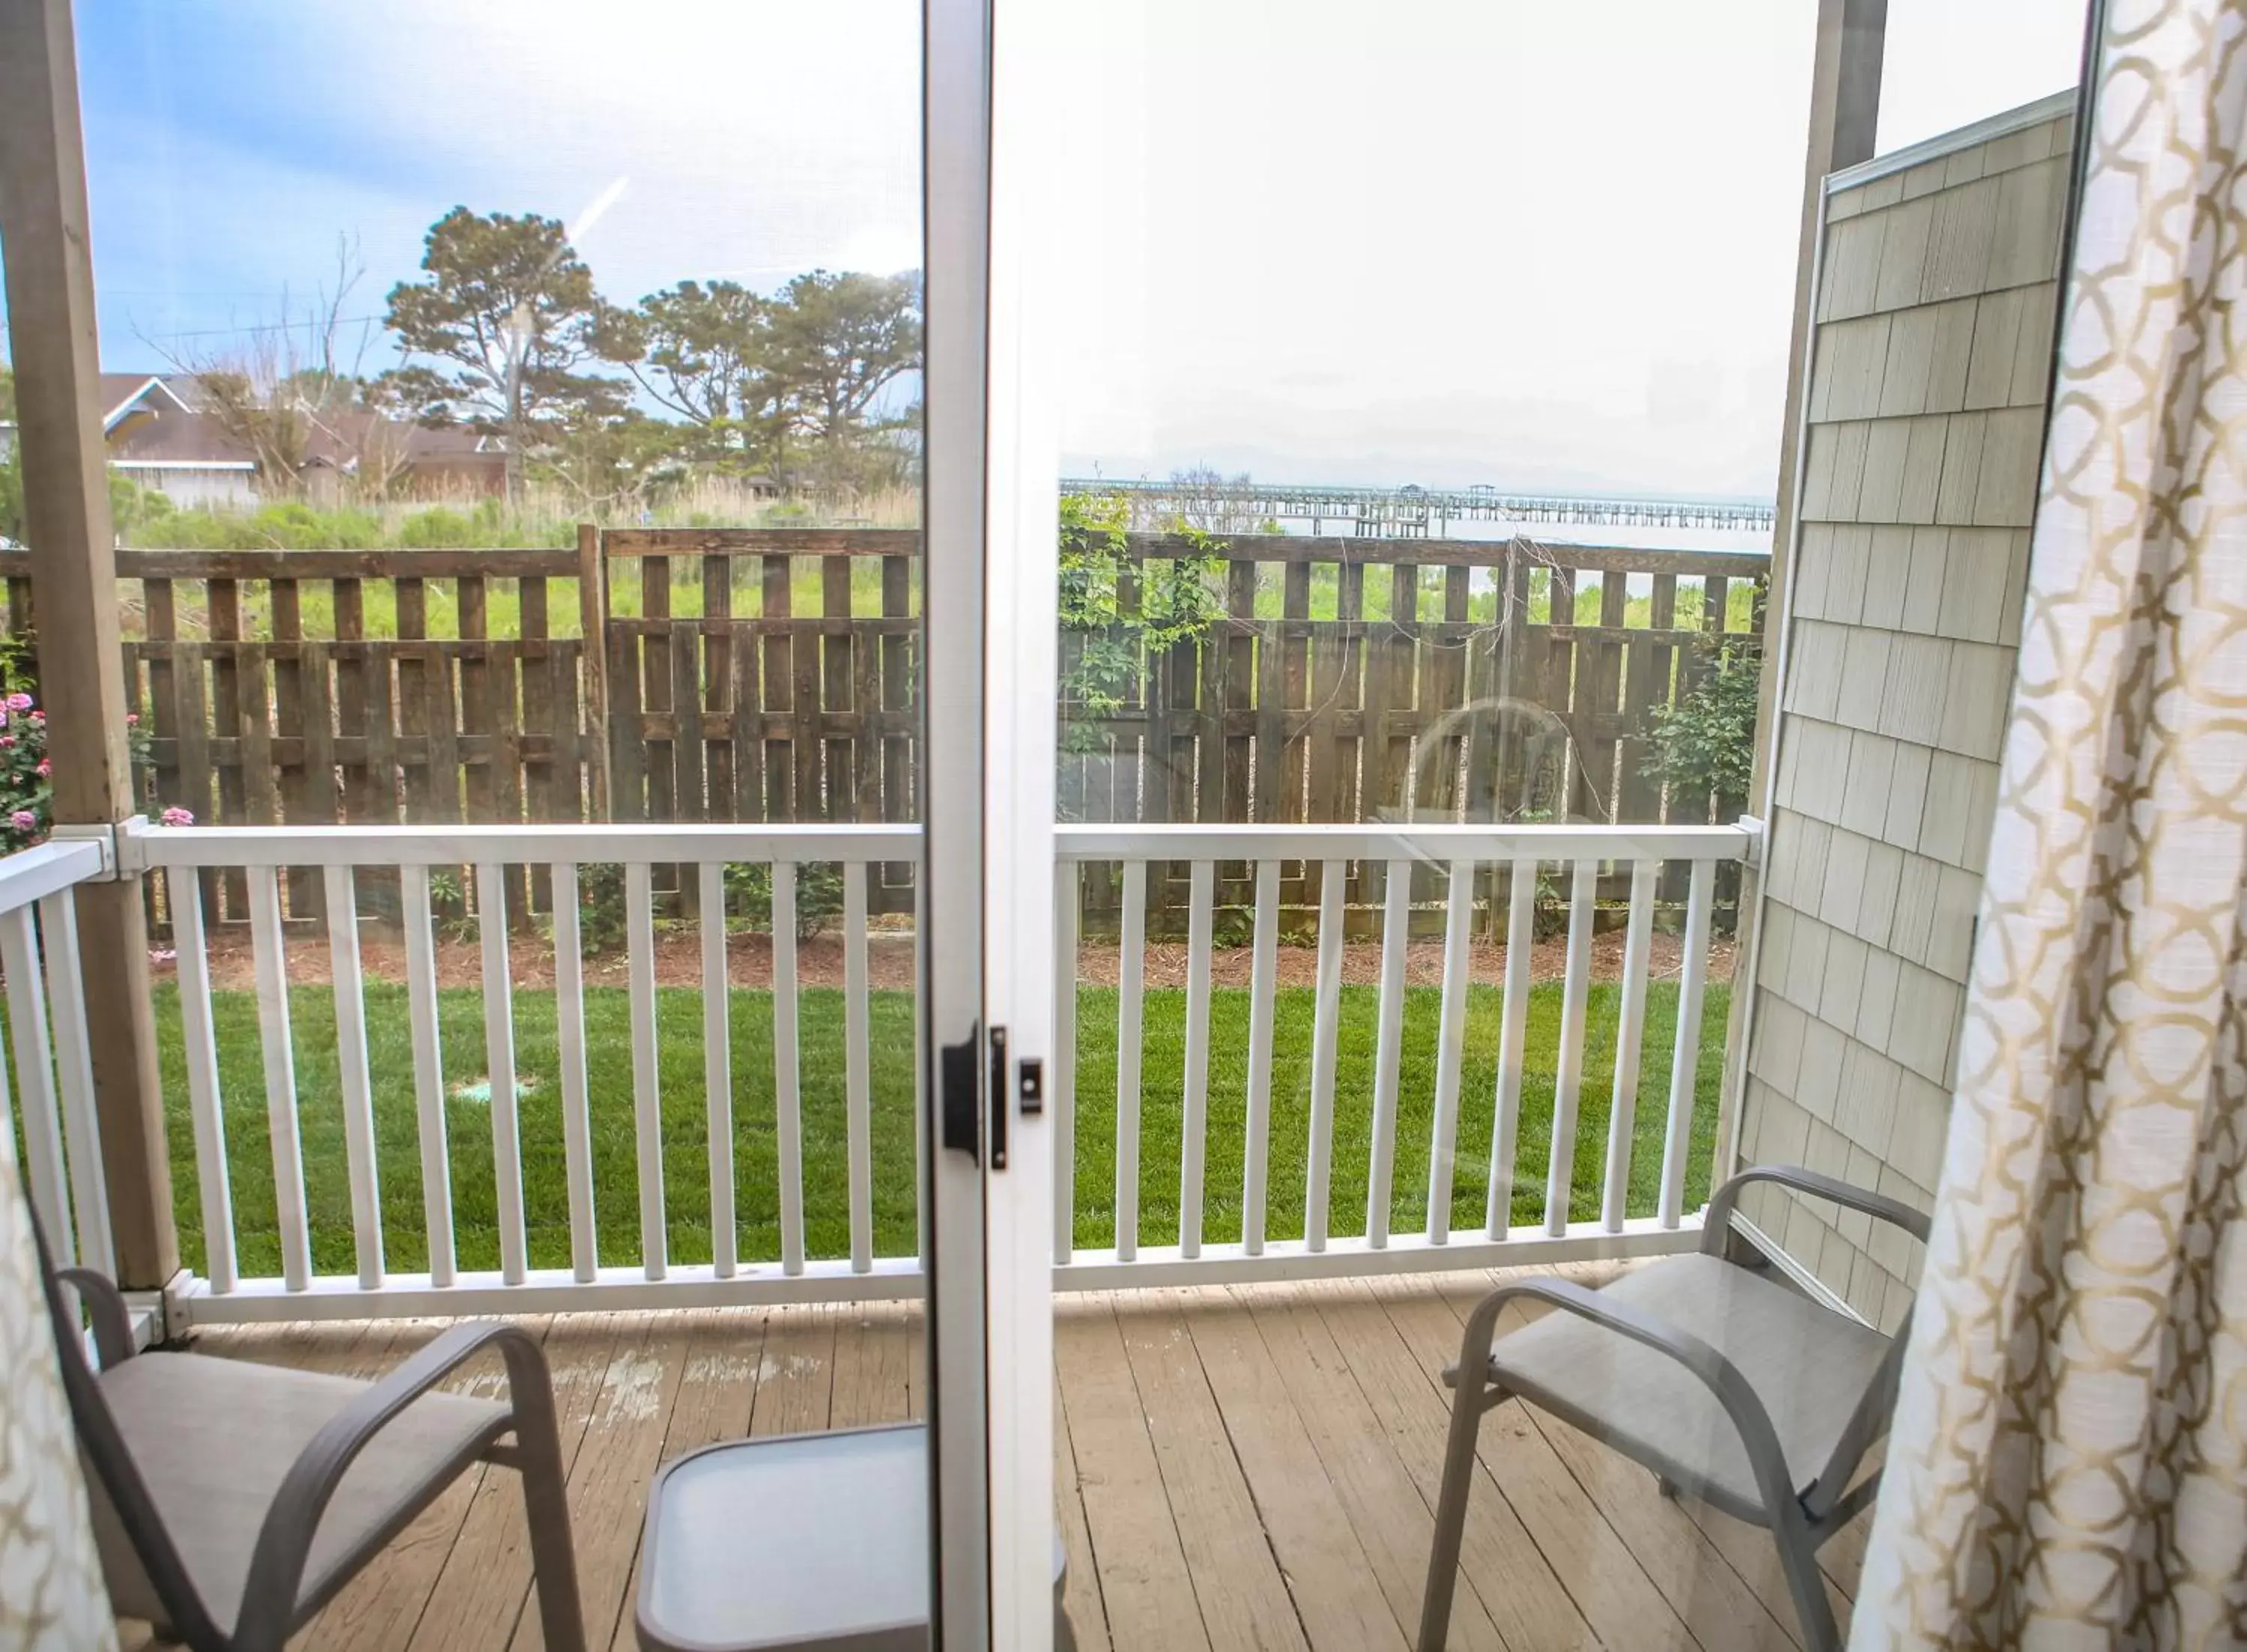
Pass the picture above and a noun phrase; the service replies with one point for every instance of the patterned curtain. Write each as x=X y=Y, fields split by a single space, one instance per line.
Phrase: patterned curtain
x=51 y=1596
x=2069 y=1461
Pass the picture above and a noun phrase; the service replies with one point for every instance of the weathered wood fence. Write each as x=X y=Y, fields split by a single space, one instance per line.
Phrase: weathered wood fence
x=767 y=675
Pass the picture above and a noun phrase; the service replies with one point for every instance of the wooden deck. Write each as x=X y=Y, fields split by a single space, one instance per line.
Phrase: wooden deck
x=1250 y=1466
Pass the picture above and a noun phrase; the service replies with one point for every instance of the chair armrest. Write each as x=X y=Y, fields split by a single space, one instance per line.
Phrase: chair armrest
x=104 y=1305
x=1719 y=1221
x=284 y=1541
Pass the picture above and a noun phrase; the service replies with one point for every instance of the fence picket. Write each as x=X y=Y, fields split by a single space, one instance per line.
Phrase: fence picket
x=1685 y=1063
x=718 y=1068
x=1396 y=915
x=576 y=1102
x=1505 y=1122
x=1568 y=1075
x=1630 y=1028
x=35 y=1081
x=1263 y=978
x=1451 y=1047
x=857 y=1090
x=1194 y=1123
x=787 y=1080
x=1318 y=1159
x=499 y=1068
x=647 y=1082
x=429 y=1069
x=272 y=969
x=1130 y=972
x=199 y=1045
x=358 y=1087
x=1063 y=1102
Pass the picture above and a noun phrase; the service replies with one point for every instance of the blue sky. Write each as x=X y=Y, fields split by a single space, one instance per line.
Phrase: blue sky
x=1435 y=241
x=229 y=143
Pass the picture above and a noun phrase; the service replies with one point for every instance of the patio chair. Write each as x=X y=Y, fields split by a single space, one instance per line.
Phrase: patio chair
x=1730 y=1385
x=226 y=1492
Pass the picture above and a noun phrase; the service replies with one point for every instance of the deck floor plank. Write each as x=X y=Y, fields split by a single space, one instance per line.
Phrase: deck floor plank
x=1384 y=1504
x=1145 y=1585
x=1087 y=1615
x=1336 y=1592
x=1244 y=1599
x=1532 y=1605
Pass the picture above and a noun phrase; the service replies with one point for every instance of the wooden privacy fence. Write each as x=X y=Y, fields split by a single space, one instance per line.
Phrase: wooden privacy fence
x=768 y=674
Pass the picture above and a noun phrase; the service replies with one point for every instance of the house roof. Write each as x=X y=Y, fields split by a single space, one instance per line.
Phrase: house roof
x=156 y=420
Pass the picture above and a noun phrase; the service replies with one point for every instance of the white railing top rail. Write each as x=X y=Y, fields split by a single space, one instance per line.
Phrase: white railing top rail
x=448 y=844
x=1430 y=841
x=31 y=875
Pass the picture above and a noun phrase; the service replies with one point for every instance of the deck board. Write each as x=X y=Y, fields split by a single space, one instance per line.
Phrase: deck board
x=1243 y=1466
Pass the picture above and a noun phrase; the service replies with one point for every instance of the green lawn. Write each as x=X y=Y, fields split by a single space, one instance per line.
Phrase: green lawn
x=685 y=1179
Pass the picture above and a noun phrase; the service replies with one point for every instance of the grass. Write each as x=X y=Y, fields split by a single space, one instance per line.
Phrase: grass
x=827 y=1224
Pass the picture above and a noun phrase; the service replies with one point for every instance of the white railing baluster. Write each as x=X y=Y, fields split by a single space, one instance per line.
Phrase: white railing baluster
x=499 y=1067
x=1263 y=971
x=858 y=1099
x=34 y=1082
x=577 y=1098
x=1062 y=1103
x=1451 y=1049
x=718 y=1069
x=1130 y=983
x=1685 y=1063
x=74 y=1068
x=787 y=1092
x=429 y=1067
x=1193 y=1128
x=214 y=1185
x=357 y=1084
x=1512 y=1039
x=1397 y=916
x=1630 y=1030
x=1568 y=1072
x=272 y=967
x=648 y=1082
x=1318 y=1159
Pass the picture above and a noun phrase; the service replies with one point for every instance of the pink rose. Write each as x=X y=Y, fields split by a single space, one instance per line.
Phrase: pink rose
x=24 y=820
x=18 y=702
x=6 y=741
x=45 y=769
x=178 y=818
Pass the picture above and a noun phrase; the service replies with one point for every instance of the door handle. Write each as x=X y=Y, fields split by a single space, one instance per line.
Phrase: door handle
x=999 y=1098
x=958 y=1080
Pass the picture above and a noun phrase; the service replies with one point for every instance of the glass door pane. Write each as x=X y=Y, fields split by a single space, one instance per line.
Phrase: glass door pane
x=515 y=421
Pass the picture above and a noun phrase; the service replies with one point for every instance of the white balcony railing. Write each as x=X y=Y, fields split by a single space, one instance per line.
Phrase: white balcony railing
x=304 y=1269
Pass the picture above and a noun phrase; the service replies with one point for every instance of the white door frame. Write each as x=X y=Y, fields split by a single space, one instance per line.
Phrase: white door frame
x=988 y=616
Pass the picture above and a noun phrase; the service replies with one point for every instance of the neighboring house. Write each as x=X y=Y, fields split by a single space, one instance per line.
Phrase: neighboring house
x=160 y=437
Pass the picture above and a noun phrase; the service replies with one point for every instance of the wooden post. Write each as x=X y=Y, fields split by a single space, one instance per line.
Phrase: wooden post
x=1845 y=101
x=593 y=619
x=50 y=284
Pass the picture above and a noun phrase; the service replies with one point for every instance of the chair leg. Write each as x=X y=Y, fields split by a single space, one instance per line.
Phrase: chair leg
x=546 y=1509
x=1468 y=1403
x=1798 y=1558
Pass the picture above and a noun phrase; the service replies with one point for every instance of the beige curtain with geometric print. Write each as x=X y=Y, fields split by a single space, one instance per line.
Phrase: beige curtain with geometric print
x=2068 y=1466
x=51 y=1596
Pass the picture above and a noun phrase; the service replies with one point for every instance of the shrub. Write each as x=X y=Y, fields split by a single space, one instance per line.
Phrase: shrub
x=1703 y=747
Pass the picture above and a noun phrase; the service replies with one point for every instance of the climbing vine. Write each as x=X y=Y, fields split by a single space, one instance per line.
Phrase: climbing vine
x=1106 y=639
